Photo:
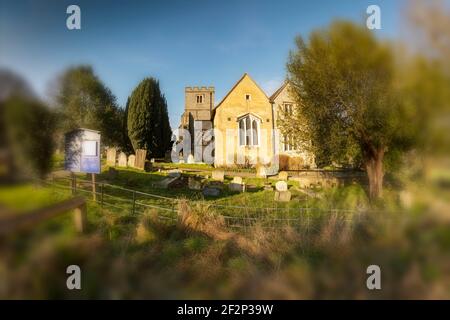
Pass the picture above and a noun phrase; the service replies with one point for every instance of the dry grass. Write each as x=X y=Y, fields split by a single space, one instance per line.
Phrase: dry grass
x=198 y=256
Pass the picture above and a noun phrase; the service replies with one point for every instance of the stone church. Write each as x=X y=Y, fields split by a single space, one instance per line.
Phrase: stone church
x=245 y=125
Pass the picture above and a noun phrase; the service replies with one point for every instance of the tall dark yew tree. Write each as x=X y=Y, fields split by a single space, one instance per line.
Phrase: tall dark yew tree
x=126 y=143
x=147 y=119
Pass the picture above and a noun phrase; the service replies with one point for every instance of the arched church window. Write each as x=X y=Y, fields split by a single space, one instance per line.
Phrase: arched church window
x=255 y=132
x=249 y=130
x=242 y=132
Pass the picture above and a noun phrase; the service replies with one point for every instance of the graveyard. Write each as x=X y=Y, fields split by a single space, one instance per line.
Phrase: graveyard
x=151 y=228
x=281 y=194
x=233 y=160
x=153 y=251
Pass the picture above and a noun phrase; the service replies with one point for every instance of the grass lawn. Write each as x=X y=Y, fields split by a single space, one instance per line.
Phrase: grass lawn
x=28 y=197
x=254 y=197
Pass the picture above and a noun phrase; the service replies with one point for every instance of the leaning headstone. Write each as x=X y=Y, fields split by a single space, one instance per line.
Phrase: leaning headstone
x=139 y=162
x=283 y=175
x=180 y=182
x=218 y=175
x=211 y=192
x=190 y=159
x=194 y=184
x=166 y=182
x=122 y=160
x=281 y=186
x=175 y=173
x=237 y=180
x=131 y=160
x=283 y=196
x=111 y=157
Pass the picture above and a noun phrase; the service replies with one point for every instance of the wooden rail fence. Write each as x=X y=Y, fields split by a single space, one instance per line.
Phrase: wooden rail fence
x=10 y=223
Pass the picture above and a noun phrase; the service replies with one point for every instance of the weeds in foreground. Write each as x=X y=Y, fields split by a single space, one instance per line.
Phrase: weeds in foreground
x=199 y=256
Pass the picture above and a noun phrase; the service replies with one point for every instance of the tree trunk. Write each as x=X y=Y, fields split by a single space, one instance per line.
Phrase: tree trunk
x=375 y=173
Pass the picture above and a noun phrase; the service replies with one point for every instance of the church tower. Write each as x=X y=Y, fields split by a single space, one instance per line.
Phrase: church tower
x=197 y=117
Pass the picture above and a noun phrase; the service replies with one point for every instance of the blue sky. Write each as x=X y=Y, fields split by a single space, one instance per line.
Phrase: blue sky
x=182 y=43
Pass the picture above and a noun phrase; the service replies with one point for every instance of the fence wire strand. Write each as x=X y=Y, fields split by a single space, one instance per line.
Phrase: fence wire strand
x=263 y=216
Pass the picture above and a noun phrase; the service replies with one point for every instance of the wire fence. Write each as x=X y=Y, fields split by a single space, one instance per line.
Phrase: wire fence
x=120 y=199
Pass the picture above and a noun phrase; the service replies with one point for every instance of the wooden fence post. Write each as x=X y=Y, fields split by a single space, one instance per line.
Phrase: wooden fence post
x=74 y=183
x=12 y=222
x=80 y=217
x=94 y=189
x=103 y=186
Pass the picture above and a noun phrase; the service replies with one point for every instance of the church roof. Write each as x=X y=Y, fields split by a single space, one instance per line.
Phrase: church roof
x=236 y=84
x=277 y=93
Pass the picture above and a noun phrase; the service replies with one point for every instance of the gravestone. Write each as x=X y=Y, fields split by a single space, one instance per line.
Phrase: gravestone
x=211 y=191
x=281 y=186
x=122 y=160
x=174 y=173
x=166 y=182
x=139 y=162
x=111 y=157
x=194 y=184
x=218 y=175
x=131 y=160
x=190 y=159
x=236 y=187
x=283 y=175
x=283 y=196
x=237 y=180
x=268 y=187
x=180 y=182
